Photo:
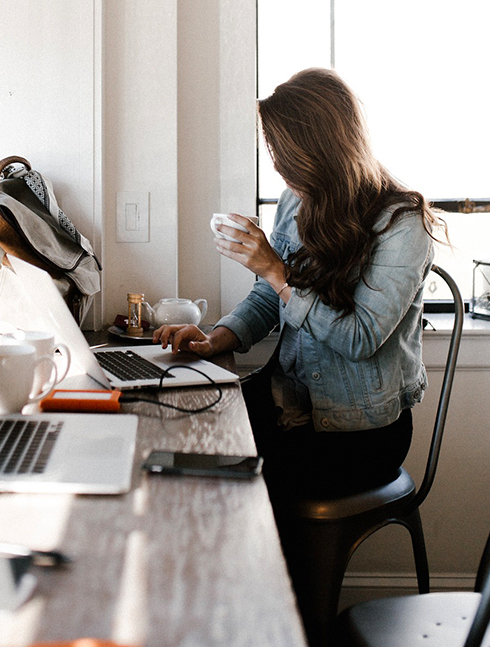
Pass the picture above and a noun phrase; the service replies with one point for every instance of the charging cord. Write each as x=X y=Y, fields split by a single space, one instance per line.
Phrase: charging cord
x=166 y=373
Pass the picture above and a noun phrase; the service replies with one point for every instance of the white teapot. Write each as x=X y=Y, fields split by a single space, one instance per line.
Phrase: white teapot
x=175 y=311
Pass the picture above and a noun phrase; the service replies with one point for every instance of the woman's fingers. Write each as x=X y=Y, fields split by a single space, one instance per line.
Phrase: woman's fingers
x=238 y=234
x=164 y=334
x=253 y=250
x=182 y=337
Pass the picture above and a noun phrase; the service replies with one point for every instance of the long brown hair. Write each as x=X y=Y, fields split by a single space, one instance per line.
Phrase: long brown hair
x=316 y=135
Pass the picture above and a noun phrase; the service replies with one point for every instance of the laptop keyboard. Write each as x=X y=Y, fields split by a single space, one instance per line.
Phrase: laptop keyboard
x=26 y=445
x=127 y=365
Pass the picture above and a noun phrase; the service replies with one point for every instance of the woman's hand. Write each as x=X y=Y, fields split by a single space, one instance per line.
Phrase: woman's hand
x=253 y=250
x=184 y=337
x=188 y=337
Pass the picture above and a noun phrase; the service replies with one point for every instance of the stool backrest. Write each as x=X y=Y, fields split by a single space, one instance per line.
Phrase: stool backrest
x=447 y=383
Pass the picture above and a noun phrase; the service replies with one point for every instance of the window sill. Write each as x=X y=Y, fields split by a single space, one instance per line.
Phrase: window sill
x=443 y=323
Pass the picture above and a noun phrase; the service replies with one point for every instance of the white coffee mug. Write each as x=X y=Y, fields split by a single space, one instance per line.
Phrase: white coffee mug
x=44 y=343
x=18 y=367
x=223 y=219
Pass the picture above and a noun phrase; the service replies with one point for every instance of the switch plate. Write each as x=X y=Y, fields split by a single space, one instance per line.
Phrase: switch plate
x=133 y=217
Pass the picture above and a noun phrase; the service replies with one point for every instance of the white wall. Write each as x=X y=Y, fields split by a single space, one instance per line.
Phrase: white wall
x=140 y=145
x=198 y=136
x=47 y=99
x=173 y=85
x=216 y=142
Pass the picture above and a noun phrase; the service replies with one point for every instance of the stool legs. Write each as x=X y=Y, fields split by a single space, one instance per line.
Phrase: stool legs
x=413 y=523
x=317 y=554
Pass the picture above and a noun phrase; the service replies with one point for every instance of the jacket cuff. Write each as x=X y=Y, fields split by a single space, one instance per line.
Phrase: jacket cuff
x=241 y=330
x=297 y=308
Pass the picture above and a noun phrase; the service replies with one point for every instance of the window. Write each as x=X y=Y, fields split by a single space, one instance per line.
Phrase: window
x=420 y=68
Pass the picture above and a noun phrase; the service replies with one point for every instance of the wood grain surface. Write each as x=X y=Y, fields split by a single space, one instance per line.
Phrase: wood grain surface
x=176 y=562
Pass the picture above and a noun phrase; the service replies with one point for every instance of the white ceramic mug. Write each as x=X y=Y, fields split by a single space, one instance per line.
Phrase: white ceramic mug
x=18 y=367
x=44 y=343
x=223 y=219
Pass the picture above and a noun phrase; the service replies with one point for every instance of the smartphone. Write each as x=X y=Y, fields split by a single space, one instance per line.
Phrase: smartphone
x=242 y=467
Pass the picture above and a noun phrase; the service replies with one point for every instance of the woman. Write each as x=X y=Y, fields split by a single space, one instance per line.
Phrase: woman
x=343 y=276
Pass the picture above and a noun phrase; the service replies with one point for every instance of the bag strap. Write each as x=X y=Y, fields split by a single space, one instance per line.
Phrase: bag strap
x=13 y=159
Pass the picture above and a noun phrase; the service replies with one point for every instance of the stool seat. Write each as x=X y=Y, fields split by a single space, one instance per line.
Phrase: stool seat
x=396 y=491
x=431 y=619
x=449 y=619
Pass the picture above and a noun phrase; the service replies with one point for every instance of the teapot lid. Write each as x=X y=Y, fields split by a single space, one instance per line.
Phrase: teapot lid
x=173 y=300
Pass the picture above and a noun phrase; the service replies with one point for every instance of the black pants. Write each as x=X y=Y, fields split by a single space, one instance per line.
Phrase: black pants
x=302 y=461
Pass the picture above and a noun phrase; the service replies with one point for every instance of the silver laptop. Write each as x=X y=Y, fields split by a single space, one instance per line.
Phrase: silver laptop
x=67 y=453
x=105 y=366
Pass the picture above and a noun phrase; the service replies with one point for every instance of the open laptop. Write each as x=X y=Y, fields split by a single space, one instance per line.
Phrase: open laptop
x=50 y=305
x=67 y=453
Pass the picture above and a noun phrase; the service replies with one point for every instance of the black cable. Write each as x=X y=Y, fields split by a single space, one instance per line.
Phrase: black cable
x=167 y=373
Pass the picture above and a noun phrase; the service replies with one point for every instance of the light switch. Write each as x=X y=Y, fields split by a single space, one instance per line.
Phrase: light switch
x=133 y=218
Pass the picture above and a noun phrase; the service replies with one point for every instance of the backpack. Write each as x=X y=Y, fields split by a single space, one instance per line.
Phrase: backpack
x=35 y=229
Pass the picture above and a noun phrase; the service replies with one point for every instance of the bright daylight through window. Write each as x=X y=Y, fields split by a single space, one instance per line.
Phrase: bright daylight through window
x=420 y=68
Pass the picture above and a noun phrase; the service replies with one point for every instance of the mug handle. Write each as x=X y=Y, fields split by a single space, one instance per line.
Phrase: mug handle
x=52 y=379
x=203 y=307
x=65 y=351
x=213 y=222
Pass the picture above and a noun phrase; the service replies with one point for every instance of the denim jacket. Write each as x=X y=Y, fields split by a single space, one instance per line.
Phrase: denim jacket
x=363 y=369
